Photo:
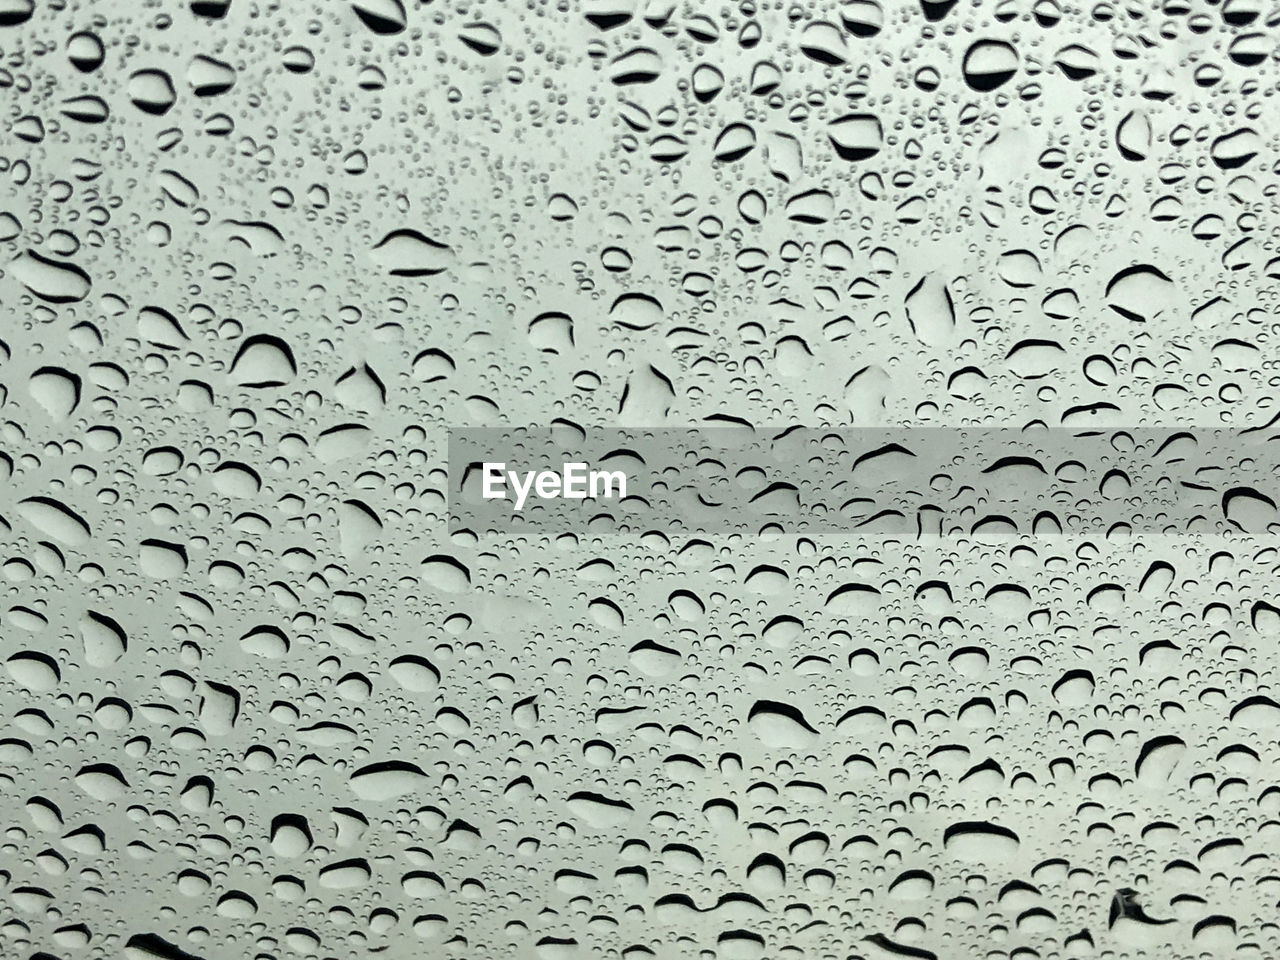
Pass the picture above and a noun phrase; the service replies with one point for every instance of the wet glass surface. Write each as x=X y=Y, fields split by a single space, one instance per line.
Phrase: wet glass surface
x=260 y=698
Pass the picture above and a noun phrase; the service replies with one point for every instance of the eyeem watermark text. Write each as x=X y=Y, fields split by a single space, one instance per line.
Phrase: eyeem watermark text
x=1096 y=479
x=574 y=482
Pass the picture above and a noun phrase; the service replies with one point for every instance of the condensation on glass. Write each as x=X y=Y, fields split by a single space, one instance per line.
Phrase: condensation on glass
x=260 y=698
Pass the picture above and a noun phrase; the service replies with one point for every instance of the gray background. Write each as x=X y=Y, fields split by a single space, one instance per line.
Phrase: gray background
x=258 y=258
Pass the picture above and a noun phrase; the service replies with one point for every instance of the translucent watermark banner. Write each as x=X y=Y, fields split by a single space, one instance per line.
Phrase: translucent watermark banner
x=880 y=481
